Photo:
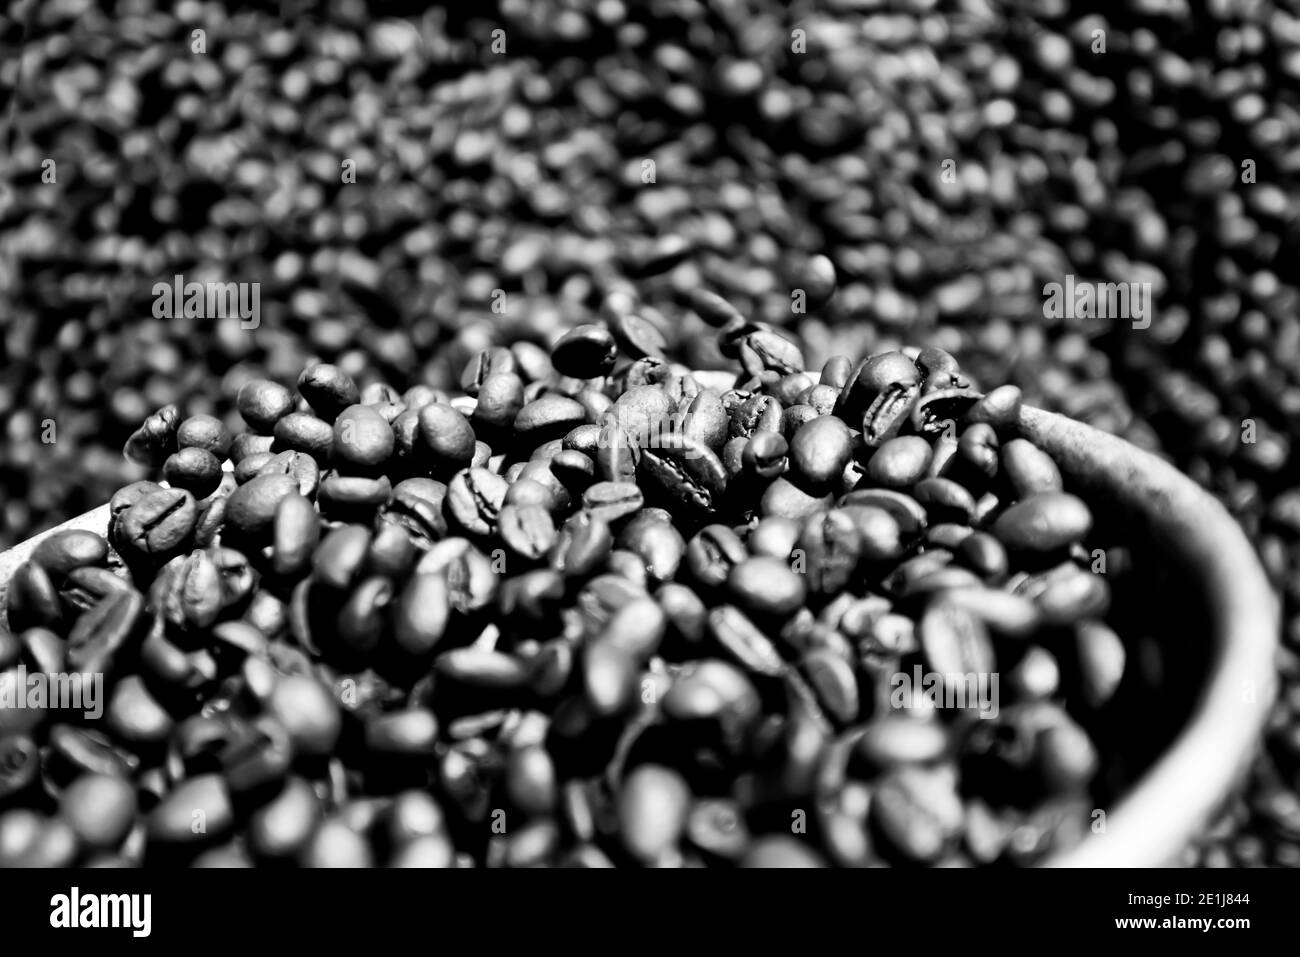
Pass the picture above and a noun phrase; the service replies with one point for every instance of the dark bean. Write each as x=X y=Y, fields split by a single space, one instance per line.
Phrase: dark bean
x=548 y=417
x=765 y=455
x=340 y=556
x=158 y=523
x=766 y=587
x=262 y=403
x=350 y=495
x=1043 y=522
x=362 y=437
x=732 y=629
x=328 y=390
x=303 y=432
x=584 y=352
x=474 y=500
x=820 y=449
x=64 y=552
x=195 y=470
x=500 y=399
x=251 y=508
x=610 y=501
x=653 y=808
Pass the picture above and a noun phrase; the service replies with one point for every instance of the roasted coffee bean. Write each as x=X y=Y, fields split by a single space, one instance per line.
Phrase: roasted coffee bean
x=955 y=640
x=780 y=851
x=349 y=495
x=1043 y=522
x=328 y=390
x=308 y=712
x=834 y=682
x=766 y=587
x=364 y=616
x=582 y=545
x=494 y=361
x=410 y=732
x=945 y=501
x=194 y=469
x=295 y=534
x=416 y=505
x=984 y=555
x=341 y=555
x=306 y=433
x=654 y=805
x=500 y=399
x=820 y=449
x=474 y=500
x=765 y=455
x=828 y=550
x=101 y=632
x=205 y=798
x=918 y=812
x=584 y=352
x=734 y=630
x=900 y=462
x=282 y=827
x=526 y=530
x=774 y=537
x=713 y=553
x=758 y=413
x=64 y=552
x=446 y=437
x=362 y=437
x=548 y=417
x=157 y=524
x=611 y=501
x=420 y=615
x=481 y=668
x=471 y=576
x=155 y=439
x=250 y=509
x=262 y=403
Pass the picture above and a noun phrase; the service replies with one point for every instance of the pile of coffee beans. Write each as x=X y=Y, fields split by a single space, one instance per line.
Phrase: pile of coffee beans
x=948 y=157
x=604 y=611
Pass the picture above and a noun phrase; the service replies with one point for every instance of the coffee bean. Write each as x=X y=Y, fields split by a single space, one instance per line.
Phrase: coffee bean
x=340 y=556
x=820 y=449
x=1043 y=522
x=900 y=462
x=362 y=437
x=611 y=501
x=474 y=500
x=548 y=417
x=262 y=403
x=250 y=509
x=526 y=530
x=766 y=587
x=732 y=629
x=158 y=523
x=306 y=433
x=307 y=711
x=653 y=808
x=64 y=552
x=780 y=851
x=328 y=390
x=584 y=352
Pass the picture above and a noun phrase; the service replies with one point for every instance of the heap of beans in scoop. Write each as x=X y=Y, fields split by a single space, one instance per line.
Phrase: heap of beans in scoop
x=600 y=611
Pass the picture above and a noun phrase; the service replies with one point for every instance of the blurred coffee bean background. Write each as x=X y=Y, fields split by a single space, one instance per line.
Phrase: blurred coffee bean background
x=408 y=186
